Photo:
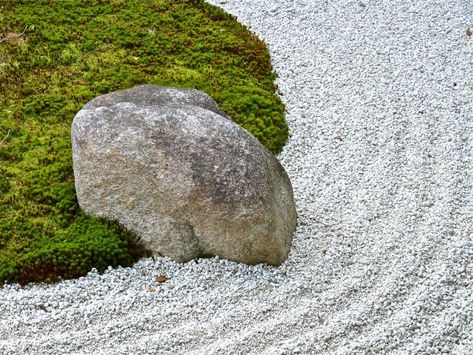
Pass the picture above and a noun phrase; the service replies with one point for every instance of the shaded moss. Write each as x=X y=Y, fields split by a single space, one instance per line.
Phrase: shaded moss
x=57 y=55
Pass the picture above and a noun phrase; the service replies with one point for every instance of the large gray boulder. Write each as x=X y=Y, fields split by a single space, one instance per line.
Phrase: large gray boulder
x=168 y=165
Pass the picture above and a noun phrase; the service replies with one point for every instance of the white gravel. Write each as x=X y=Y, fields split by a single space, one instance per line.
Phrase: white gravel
x=379 y=98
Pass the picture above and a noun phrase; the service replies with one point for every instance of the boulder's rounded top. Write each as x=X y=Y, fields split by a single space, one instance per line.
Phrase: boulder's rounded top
x=157 y=95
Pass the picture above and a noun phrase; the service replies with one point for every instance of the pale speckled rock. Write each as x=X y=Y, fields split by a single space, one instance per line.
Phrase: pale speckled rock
x=169 y=166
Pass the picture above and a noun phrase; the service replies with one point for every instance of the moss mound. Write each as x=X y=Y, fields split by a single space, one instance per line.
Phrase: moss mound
x=57 y=55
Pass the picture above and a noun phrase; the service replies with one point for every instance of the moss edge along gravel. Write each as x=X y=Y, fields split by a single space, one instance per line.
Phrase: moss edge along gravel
x=57 y=55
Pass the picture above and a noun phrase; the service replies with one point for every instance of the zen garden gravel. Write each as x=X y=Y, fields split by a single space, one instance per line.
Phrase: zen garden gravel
x=379 y=98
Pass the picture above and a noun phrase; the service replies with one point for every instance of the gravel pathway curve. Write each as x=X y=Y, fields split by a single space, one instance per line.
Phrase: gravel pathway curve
x=379 y=98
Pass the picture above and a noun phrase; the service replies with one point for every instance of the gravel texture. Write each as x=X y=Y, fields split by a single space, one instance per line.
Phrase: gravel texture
x=379 y=98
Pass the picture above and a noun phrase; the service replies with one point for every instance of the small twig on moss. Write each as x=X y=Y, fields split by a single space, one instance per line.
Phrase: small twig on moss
x=99 y=48
x=86 y=54
x=12 y=35
x=4 y=138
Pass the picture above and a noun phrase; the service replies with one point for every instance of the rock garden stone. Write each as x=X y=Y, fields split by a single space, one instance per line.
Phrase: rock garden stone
x=170 y=166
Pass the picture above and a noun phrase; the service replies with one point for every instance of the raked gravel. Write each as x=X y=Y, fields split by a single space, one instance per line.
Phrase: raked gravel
x=379 y=99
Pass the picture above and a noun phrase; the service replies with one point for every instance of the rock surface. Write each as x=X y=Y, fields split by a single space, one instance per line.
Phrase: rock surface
x=166 y=164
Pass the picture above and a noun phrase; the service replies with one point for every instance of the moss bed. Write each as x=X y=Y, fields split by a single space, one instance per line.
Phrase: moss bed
x=57 y=55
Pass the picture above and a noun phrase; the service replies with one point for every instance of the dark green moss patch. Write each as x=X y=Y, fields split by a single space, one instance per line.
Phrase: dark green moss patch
x=57 y=55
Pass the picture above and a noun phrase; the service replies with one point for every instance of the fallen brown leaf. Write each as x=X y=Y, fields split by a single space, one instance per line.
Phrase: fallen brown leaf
x=269 y=287
x=13 y=37
x=339 y=138
x=161 y=278
x=469 y=32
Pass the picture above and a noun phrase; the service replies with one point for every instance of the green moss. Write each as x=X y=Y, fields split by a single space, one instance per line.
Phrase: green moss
x=57 y=55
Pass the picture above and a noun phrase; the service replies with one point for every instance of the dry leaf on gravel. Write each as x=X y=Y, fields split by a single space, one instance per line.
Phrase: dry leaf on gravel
x=161 y=278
